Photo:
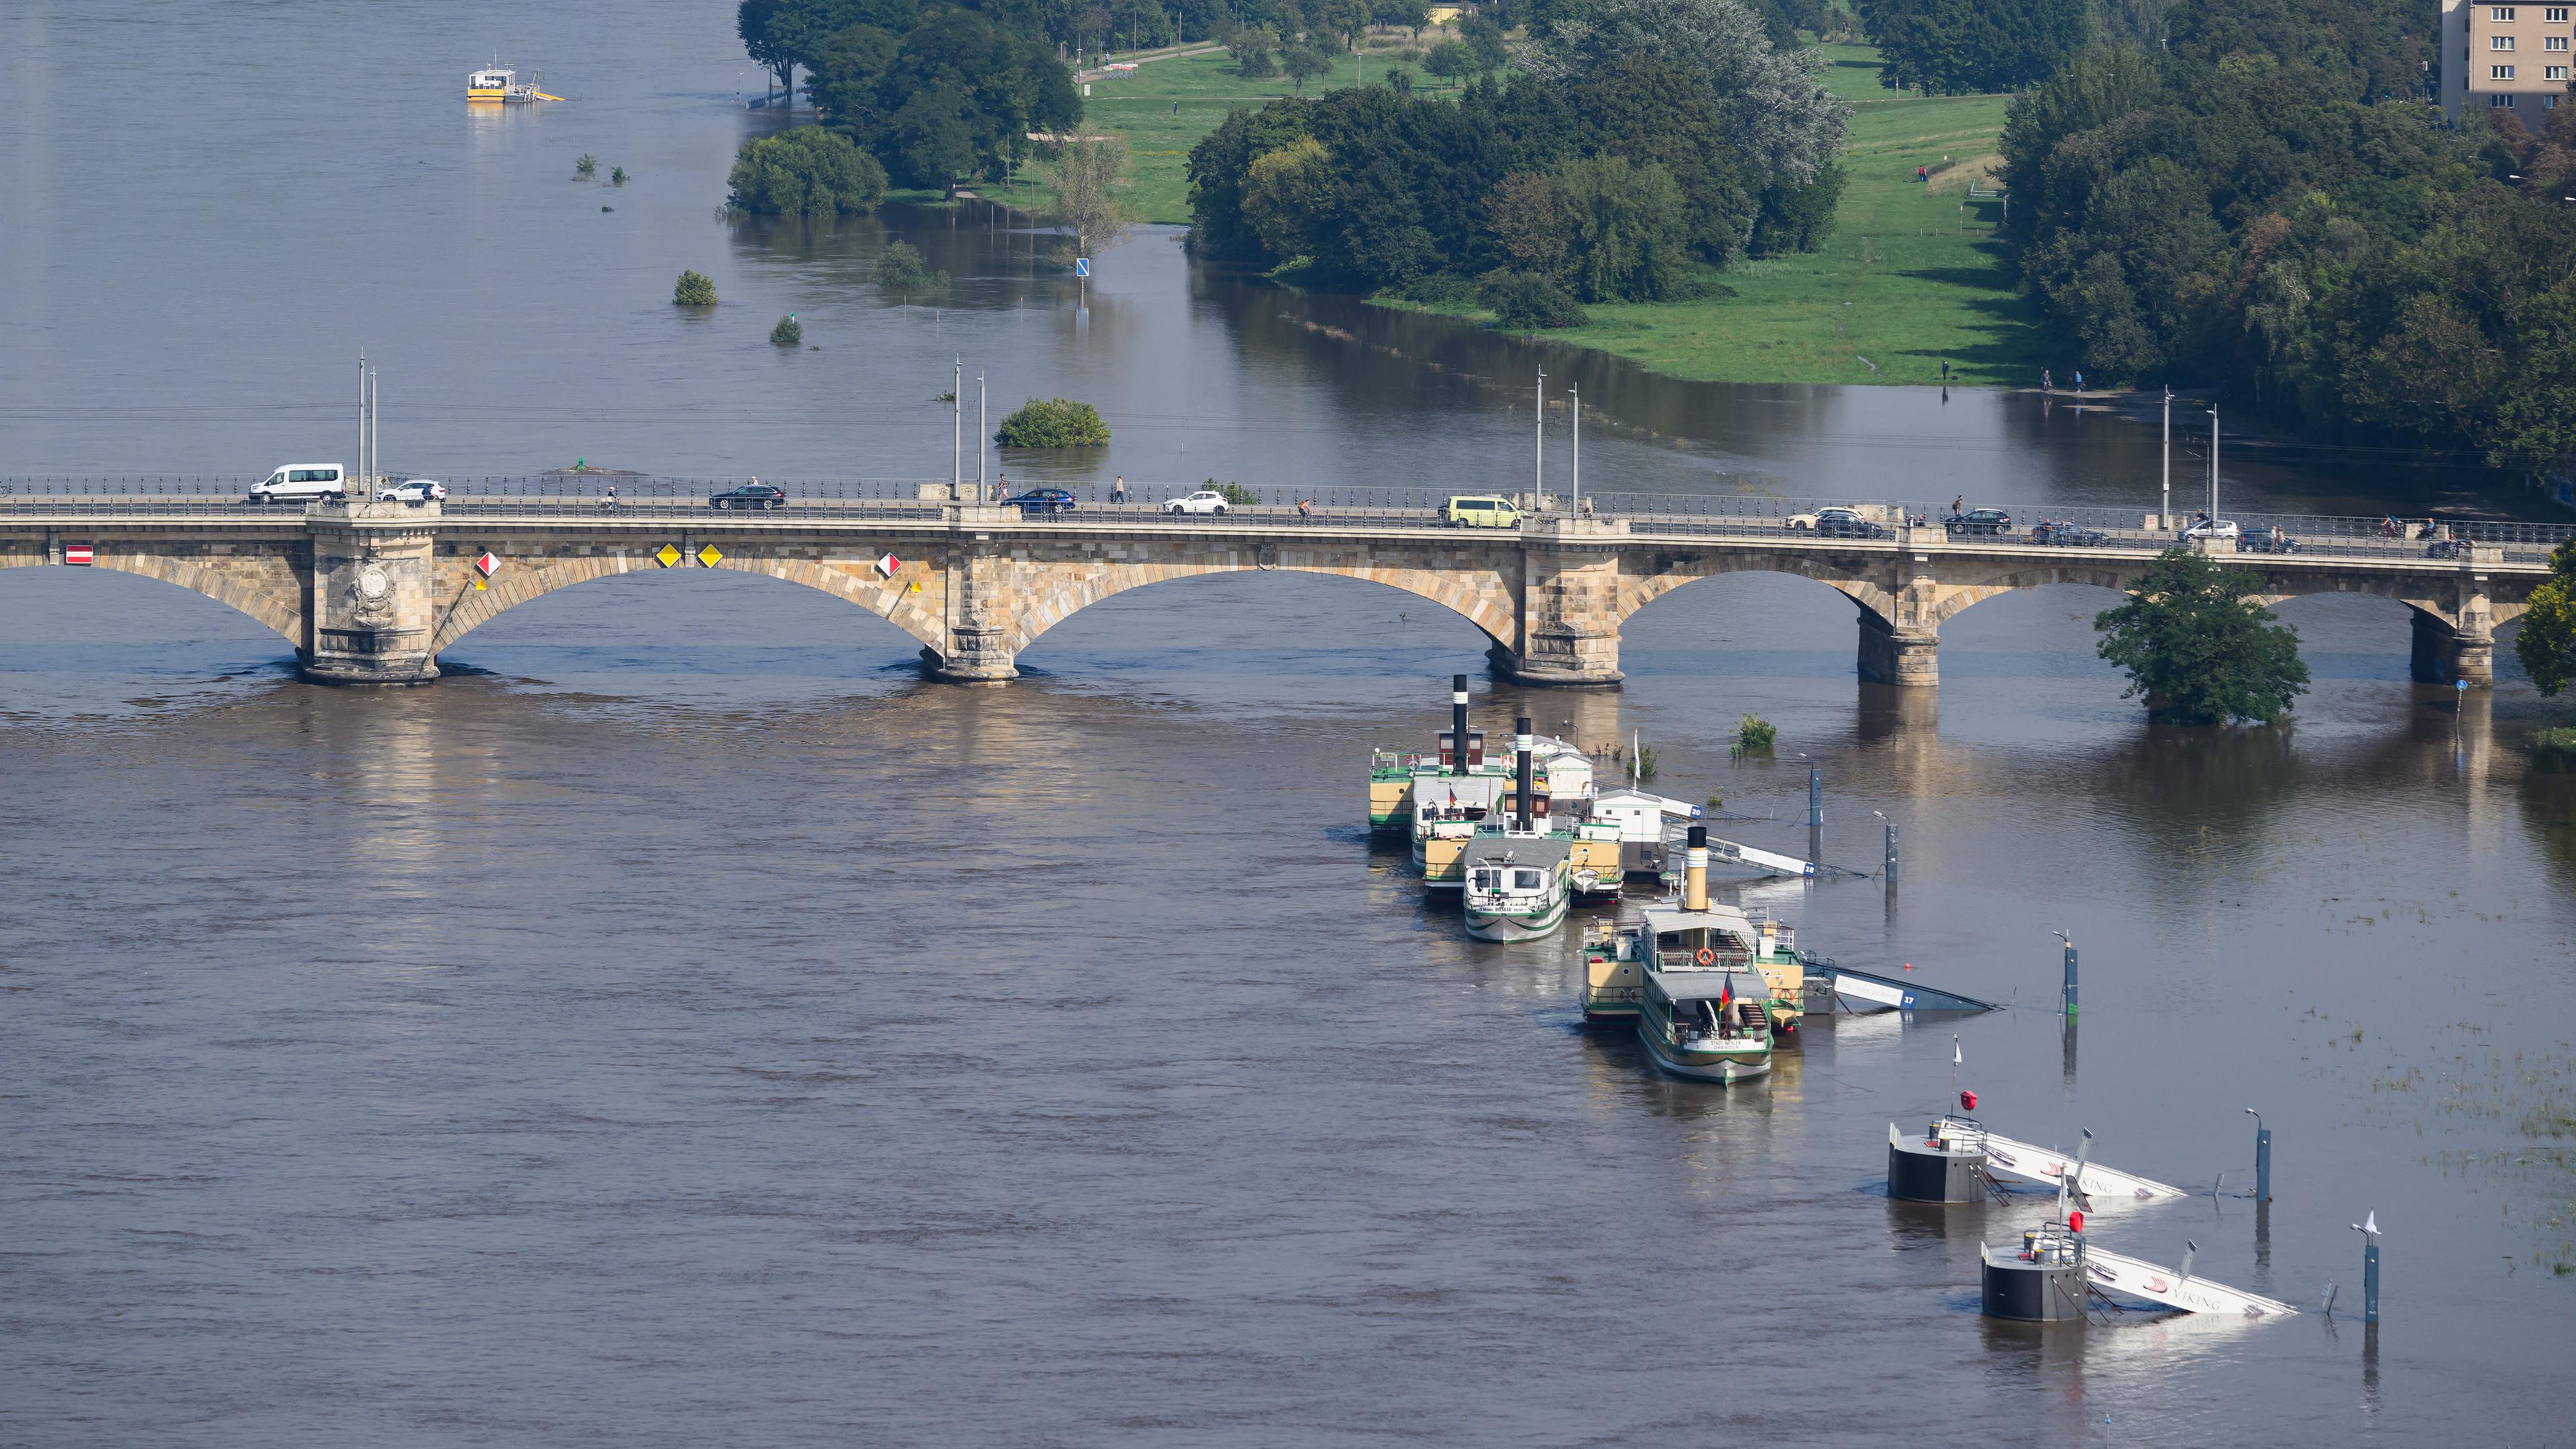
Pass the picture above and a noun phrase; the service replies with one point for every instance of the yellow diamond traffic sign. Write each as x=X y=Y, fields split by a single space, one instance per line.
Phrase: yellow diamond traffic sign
x=709 y=556
x=668 y=555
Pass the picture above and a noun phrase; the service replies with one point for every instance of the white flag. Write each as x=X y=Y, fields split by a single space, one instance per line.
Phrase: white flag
x=1955 y=1057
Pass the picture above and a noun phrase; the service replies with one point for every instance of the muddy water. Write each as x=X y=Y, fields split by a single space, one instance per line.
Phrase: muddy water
x=685 y=1024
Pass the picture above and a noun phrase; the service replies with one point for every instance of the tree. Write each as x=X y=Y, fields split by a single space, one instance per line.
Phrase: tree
x=1054 y=423
x=1778 y=112
x=2199 y=648
x=693 y=290
x=1624 y=228
x=1286 y=195
x=1523 y=301
x=1303 y=63
x=1413 y=15
x=805 y=171
x=2547 y=647
x=1962 y=46
x=901 y=269
x=1252 y=47
x=1483 y=36
x=1088 y=174
x=1450 y=60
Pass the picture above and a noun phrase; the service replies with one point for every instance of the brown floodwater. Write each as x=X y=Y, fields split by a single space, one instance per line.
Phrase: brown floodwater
x=684 y=1024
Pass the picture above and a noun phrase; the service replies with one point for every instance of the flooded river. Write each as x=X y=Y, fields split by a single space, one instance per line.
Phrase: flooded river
x=684 y=1024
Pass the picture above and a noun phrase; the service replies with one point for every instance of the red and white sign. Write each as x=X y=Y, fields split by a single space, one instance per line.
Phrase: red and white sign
x=78 y=553
x=487 y=565
x=888 y=564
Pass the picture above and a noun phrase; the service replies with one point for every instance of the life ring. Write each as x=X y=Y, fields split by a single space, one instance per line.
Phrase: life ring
x=1706 y=957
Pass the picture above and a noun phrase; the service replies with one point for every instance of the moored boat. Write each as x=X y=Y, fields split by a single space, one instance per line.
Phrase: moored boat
x=1695 y=933
x=1518 y=872
x=1702 y=1012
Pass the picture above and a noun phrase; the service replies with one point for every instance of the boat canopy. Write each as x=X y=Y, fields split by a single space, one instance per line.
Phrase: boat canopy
x=1742 y=984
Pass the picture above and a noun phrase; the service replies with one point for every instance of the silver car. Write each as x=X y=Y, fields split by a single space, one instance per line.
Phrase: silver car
x=412 y=490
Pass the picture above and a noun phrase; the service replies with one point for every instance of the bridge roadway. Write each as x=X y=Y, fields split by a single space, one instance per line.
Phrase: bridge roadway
x=373 y=593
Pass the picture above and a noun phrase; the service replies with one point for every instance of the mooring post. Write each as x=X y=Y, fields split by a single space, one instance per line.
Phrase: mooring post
x=1891 y=852
x=2370 y=1280
x=2262 y=1157
x=1815 y=795
x=2070 y=969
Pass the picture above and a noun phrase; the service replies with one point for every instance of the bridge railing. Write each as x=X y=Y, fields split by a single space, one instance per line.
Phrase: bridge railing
x=1753 y=513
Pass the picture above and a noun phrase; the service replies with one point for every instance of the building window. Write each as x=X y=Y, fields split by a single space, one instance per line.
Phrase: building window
x=2558 y=72
x=2499 y=72
x=2500 y=12
x=2497 y=100
x=2499 y=42
x=2549 y=103
x=2555 y=42
x=2557 y=14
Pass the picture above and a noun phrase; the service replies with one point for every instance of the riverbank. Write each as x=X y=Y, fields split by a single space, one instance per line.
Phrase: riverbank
x=1913 y=275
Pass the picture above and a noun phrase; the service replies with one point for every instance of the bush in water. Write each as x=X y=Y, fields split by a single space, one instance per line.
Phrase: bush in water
x=1054 y=423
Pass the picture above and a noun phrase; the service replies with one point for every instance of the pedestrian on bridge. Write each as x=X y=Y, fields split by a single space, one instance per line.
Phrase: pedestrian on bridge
x=1118 y=490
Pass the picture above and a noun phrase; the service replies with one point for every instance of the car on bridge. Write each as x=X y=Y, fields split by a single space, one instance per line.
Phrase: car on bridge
x=412 y=490
x=750 y=495
x=1034 y=501
x=2266 y=540
x=300 y=483
x=1206 y=500
x=1978 y=520
x=1480 y=510
x=2206 y=527
x=2062 y=534
x=1836 y=523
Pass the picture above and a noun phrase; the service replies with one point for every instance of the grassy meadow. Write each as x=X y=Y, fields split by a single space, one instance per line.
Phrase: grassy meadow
x=1911 y=277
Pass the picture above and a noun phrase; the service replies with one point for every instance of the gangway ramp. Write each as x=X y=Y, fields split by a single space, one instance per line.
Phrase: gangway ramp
x=2044 y=1166
x=1751 y=857
x=2138 y=1278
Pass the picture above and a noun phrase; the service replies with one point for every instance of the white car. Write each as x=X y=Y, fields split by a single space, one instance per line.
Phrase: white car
x=2208 y=528
x=411 y=490
x=1206 y=500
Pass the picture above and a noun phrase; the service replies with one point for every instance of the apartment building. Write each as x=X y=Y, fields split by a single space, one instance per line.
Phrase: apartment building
x=2506 y=56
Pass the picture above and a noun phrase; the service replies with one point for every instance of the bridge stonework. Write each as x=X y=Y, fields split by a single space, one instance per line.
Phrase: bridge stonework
x=374 y=593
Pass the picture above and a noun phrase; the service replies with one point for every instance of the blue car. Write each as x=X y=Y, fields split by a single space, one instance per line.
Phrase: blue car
x=1041 y=500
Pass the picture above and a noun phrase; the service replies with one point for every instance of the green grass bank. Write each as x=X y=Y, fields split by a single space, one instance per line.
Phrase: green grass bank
x=1911 y=277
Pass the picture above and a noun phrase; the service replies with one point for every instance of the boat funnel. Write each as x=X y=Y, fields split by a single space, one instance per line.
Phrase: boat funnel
x=1695 y=871
x=1521 y=784
x=1458 y=723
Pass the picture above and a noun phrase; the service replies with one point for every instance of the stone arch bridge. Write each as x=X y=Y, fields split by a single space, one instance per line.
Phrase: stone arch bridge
x=373 y=593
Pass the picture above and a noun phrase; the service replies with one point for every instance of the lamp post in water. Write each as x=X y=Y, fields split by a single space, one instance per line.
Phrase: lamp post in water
x=2070 y=969
x=2262 y=1158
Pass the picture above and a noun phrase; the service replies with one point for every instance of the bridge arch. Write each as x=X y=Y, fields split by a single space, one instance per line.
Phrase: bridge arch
x=239 y=584
x=522 y=581
x=1488 y=607
x=1667 y=572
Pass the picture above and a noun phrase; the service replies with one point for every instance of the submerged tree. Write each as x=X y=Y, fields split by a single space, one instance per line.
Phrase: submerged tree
x=1088 y=175
x=693 y=290
x=2199 y=648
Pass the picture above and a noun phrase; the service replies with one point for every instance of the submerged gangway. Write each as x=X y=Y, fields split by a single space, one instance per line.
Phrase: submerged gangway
x=2158 y=1284
x=2047 y=1167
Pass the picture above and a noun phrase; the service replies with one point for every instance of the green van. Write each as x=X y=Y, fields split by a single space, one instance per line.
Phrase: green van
x=1480 y=511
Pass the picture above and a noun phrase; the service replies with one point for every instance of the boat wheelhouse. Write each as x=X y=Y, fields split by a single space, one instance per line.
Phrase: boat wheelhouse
x=499 y=83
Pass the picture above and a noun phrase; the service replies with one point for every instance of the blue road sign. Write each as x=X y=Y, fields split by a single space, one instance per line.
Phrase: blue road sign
x=1082 y=266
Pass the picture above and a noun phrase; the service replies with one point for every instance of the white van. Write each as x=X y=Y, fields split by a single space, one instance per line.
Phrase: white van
x=300 y=483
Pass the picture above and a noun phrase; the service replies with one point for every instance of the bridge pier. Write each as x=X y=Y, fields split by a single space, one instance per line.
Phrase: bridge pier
x=1909 y=658
x=979 y=633
x=2444 y=653
x=1569 y=625
x=372 y=612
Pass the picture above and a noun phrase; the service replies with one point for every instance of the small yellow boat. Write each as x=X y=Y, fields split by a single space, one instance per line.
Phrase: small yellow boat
x=499 y=83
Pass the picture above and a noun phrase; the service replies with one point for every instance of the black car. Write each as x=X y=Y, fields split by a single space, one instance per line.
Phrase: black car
x=2067 y=535
x=1978 y=520
x=2448 y=548
x=2265 y=540
x=749 y=495
x=1041 y=500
